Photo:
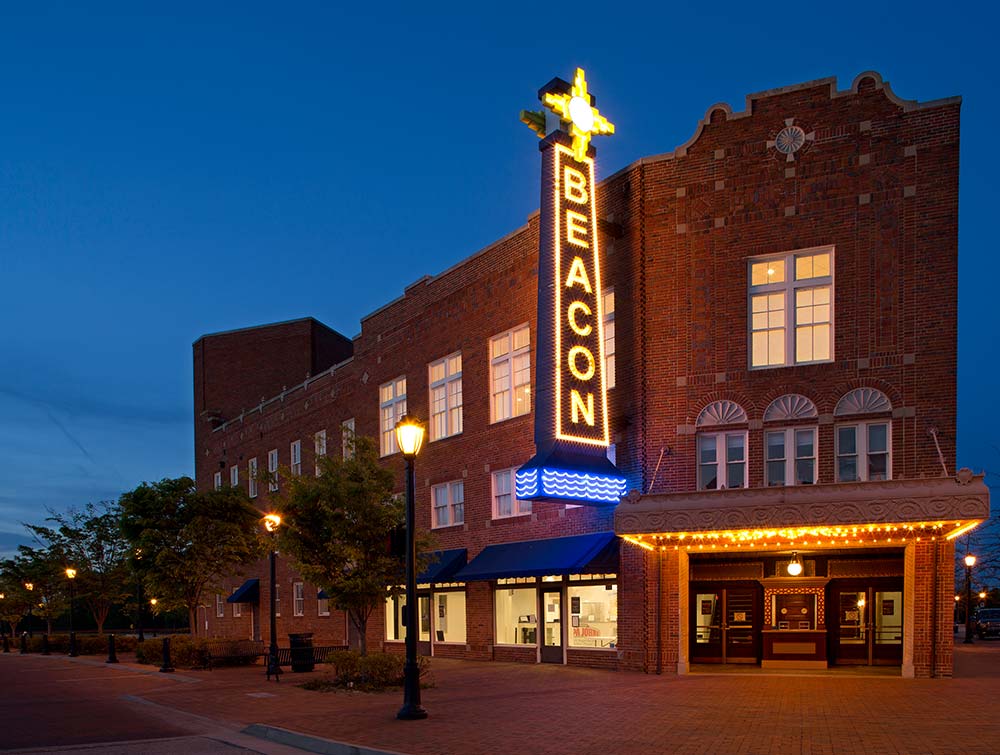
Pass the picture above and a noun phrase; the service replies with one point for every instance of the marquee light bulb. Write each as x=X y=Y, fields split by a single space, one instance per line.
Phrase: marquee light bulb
x=581 y=113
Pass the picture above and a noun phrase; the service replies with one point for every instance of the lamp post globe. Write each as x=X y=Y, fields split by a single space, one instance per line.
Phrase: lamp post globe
x=271 y=523
x=410 y=438
x=970 y=561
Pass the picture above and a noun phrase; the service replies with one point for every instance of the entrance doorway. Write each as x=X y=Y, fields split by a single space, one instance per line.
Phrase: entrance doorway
x=552 y=640
x=725 y=622
x=867 y=622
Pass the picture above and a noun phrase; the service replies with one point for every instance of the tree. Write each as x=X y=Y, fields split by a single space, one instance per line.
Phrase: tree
x=337 y=528
x=188 y=539
x=44 y=569
x=15 y=599
x=91 y=541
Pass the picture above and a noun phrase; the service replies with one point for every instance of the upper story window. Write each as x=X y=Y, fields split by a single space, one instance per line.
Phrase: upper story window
x=609 y=337
x=295 y=452
x=722 y=454
x=347 y=438
x=864 y=444
x=791 y=308
x=790 y=456
x=504 y=502
x=237 y=607
x=298 y=599
x=234 y=475
x=272 y=470
x=510 y=374
x=392 y=406
x=217 y=481
x=445 y=380
x=252 y=474
x=319 y=449
x=322 y=604
x=448 y=501
x=220 y=606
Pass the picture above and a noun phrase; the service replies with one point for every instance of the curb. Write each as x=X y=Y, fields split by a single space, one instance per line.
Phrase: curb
x=310 y=743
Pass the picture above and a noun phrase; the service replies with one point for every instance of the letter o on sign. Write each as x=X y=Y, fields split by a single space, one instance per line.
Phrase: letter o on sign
x=575 y=352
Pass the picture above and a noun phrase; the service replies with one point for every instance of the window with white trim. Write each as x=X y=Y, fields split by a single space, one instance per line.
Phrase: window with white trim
x=505 y=504
x=347 y=438
x=722 y=460
x=322 y=606
x=295 y=452
x=392 y=407
x=298 y=599
x=272 y=470
x=252 y=474
x=510 y=374
x=864 y=451
x=217 y=481
x=790 y=456
x=319 y=449
x=237 y=607
x=448 y=502
x=449 y=616
x=791 y=308
x=234 y=475
x=608 y=305
x=445 y=380
x=220 y=606
x=515 y=614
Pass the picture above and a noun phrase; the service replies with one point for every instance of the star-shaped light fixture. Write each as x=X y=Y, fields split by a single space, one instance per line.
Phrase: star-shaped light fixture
x=584 y=119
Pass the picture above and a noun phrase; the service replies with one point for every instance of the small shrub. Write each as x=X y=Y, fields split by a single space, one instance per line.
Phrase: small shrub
x=88 y=644
x=185 y=652
x=375 y=671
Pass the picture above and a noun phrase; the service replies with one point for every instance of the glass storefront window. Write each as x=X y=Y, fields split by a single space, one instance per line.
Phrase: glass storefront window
x=449 y=617
x=516 y=612
x=593 y=616
x=395 y=628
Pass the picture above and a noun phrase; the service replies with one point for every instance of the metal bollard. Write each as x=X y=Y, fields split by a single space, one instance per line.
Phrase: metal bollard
x=6 y=644
x=112 y=655
x=45 y=645
x=24 y=643
x=72 y=645
x=166 y=668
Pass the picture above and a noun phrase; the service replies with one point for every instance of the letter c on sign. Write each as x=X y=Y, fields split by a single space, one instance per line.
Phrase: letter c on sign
x=573 y=354
x=580 y=330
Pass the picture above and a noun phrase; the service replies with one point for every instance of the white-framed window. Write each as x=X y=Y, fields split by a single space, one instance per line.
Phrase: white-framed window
x=504 y=502
x=217 y=481
x=237 y=607
x=445 y=380
x=791 y=308
x=277 y=600
x=593 y=615
x=272 y=469
x=295 y=453
x=609 y=337
x=395 y=627
x=515 y=611
x=322 y=606
x=319 y=449
x=449 y=616
x=298 y=599
x=234 y=475
x=220 y=606
x=252 y=475
x=347 y=438
x=722 y=460
x=864 y=451
x=790 y=456
x=510 y=374
x=392 y=406
x=448 y=501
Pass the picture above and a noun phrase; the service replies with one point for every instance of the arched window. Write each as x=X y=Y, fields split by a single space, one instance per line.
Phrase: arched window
x=722 y=455
x=721 y=413
x=790 y=407
x=790 y=453
x=864 y=445
x=863 y=401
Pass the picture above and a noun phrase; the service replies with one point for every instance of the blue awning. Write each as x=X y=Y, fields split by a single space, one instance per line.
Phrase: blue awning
x=321 y=595
x=443 y=565
x=249 y=592
x=595 y=553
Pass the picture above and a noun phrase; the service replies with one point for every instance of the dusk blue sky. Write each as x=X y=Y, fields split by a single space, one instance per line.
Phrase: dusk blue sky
x=213 y=166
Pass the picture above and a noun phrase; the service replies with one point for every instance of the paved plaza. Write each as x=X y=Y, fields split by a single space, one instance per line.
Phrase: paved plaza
x=509 y=708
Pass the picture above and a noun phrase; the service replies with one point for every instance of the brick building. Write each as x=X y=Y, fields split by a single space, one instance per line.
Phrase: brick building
x=781 y=352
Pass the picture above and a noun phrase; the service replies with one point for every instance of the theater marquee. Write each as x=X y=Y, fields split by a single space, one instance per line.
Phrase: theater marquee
x=571 y=416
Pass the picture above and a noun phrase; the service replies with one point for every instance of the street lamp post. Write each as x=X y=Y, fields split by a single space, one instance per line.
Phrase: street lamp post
x=410 y=437
x=29 y=586
x=970 y=561
x=140 y=637
x=271 y=524
x=71 y=576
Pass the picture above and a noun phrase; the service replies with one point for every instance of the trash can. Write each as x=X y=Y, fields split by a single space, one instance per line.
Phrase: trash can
x=302 y=651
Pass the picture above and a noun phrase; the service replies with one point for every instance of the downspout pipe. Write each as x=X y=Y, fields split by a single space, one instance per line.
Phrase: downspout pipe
x=934 y=611
x=659 y=610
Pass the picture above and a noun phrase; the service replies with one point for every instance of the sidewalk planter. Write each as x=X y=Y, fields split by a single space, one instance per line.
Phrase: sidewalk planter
x=301 y=646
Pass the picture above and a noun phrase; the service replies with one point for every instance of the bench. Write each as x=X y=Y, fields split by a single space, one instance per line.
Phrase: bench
x=232 y=650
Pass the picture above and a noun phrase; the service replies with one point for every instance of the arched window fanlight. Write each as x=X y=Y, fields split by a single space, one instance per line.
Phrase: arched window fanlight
x=863 y=401
x=791 y=406
x=721 y=413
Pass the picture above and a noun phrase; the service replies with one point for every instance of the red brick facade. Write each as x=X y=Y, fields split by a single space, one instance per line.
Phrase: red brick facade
x=876 y=180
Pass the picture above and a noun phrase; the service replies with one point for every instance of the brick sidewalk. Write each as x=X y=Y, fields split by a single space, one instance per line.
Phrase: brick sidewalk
x=537 y=710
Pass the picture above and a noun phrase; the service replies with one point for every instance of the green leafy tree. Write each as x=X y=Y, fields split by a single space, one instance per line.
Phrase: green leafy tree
x=337 y=527
x=44 y=569
x=16 y=601
x=92 y=542
x=188 y=539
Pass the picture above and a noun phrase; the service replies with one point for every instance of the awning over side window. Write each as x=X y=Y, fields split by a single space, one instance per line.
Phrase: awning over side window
x=443 y=565
x=249 y=592
x=579 y=554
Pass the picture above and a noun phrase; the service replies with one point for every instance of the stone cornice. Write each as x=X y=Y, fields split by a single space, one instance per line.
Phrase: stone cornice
x=962 y=498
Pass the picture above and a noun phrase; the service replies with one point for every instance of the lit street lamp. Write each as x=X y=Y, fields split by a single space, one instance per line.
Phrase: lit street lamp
x=970 y=561
x=271 y=523
x=71 y=576
x=29 y=586
x=410 y=437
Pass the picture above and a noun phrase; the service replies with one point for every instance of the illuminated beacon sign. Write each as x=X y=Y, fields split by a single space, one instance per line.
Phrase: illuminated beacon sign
x=571 y=414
